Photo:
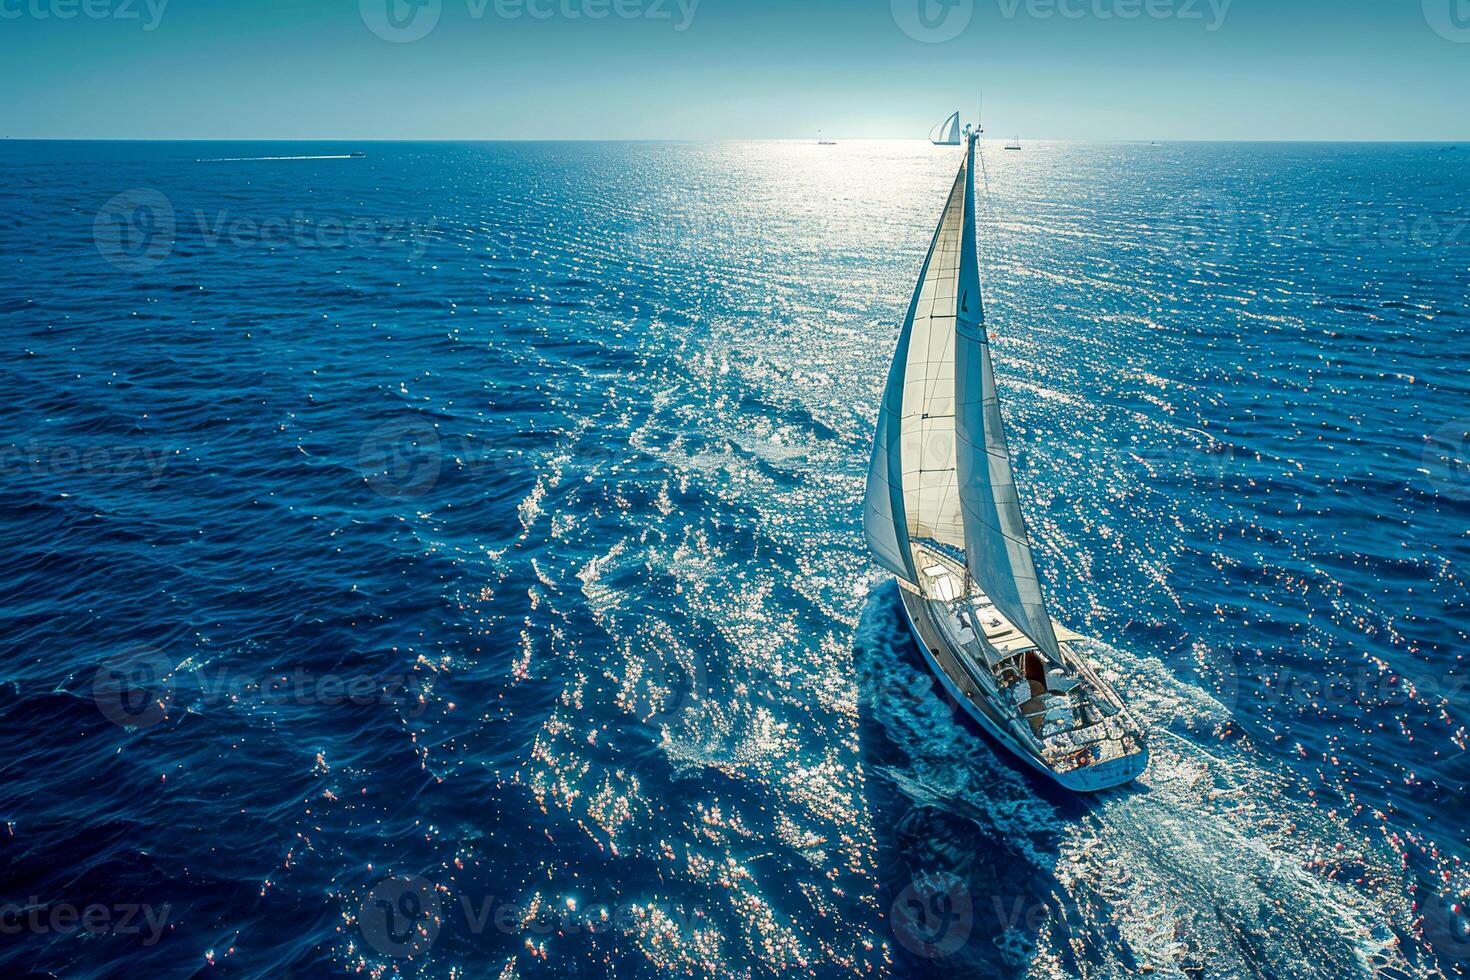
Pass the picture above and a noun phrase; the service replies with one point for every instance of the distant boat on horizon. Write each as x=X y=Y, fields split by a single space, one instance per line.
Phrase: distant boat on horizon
x=1014 y=144
x=946 y=133
x=822 y=142
x=942 y=513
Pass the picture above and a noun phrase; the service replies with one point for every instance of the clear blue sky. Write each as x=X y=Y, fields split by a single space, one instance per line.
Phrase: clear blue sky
x=1082 y=69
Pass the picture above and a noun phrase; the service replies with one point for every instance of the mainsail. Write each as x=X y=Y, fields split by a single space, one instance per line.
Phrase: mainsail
x=913 y=481
x=946 y=133
x=941 y=470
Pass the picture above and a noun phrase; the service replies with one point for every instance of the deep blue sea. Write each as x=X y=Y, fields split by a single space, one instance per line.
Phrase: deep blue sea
x=446 y=562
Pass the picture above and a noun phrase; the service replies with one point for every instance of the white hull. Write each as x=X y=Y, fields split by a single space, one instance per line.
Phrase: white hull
x=1089 y=779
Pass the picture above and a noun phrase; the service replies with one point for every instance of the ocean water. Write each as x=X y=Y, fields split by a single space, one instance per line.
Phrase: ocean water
x=446 y=562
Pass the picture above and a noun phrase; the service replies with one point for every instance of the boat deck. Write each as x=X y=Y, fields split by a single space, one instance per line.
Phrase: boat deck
x=1062 y=714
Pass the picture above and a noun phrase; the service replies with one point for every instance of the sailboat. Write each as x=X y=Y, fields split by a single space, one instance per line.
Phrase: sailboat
x=943 y=515
x=1014 y=144
x=946 y=133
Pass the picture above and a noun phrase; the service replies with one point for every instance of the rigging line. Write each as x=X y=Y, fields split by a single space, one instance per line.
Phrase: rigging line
x=984 y=172
x=989 y=207
x=985 y=180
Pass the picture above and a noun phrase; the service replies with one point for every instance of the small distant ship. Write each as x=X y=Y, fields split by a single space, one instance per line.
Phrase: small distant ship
x=946 y=133
x=1014 y=144
x=357 y=153
x=942 y=513
x=822 y=142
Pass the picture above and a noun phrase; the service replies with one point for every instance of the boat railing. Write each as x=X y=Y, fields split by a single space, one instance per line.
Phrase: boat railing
x=1109 y=741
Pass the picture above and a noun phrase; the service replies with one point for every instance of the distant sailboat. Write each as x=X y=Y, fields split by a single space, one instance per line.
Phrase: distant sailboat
x=946 y=133
x=822 y=142
x=942 y=513
x=1014 y=144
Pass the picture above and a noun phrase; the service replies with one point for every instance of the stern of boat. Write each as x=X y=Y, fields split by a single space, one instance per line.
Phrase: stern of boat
x=1107 y=751
x=1105 y=775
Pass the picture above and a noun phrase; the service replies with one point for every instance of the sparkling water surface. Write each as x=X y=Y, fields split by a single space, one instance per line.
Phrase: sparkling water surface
x=446 y=562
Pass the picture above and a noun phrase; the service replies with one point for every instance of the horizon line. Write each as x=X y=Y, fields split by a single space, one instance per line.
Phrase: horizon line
x=726 y=139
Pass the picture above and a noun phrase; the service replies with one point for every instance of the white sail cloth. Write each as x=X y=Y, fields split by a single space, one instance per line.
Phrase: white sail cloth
x=941 y=470
x=946 y=133
x=913 y=480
